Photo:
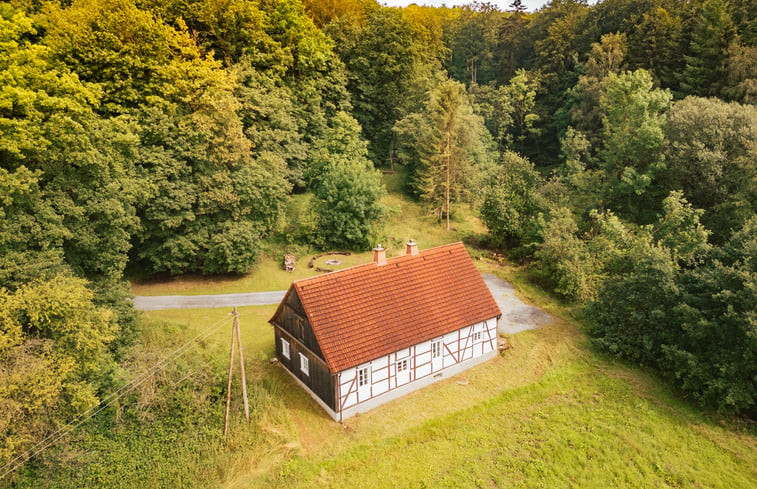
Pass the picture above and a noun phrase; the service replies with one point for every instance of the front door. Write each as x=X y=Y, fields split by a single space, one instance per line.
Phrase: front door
x=364 y=383
x=437 y=355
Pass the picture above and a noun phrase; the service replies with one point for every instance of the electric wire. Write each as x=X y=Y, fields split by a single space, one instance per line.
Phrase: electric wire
x=110 y=399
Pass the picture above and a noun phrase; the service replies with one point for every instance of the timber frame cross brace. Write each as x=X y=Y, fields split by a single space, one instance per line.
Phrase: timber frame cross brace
x=235 y=335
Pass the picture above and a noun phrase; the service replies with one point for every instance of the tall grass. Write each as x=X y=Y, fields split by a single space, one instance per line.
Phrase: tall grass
x=550 y=412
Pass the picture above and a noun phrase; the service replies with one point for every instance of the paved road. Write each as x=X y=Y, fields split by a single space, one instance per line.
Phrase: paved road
x=517 y=316
x=158 y=302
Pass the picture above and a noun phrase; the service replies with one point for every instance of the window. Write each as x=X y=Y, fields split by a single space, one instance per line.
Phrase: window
x=402 y=366
x=304 y=364
x=436 y=349
x=363 y=377
x=285 y=347
x=477 y=336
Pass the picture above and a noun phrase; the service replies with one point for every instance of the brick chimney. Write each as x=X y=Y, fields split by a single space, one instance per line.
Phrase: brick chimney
x=379 y=255
x=411 y=248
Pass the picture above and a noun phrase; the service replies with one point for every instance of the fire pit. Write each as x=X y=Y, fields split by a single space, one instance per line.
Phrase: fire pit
x=332 y=261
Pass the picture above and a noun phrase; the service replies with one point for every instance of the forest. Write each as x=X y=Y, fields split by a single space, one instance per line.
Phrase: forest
x=611 y=149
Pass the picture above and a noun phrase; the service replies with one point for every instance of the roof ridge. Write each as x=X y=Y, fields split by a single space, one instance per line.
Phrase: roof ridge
x=372 y=263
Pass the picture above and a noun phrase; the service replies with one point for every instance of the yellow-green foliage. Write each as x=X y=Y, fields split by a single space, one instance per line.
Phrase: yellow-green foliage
x=550 y=412
x=53 y=352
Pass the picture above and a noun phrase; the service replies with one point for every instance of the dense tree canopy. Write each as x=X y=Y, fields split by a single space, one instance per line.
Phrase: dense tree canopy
x=445 y=145
x=609 y=147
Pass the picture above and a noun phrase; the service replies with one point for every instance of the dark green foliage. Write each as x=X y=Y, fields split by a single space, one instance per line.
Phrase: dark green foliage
x=654 y=45
x=445 y=146
x=585 y=114
x=632 y=312
x=510 y=198
x=712 y=32
x=473 y=38
x=712 y=157
x=633 y=121
x=713 y=353
x=31 y=231
x=348 y=189
x=208 y=209
x=697 y=325
x=563 y=260
x=388 y=72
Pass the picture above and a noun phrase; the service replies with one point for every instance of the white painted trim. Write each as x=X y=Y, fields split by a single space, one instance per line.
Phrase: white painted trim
x=393 y=393
x=411 y=386
x=350 y=402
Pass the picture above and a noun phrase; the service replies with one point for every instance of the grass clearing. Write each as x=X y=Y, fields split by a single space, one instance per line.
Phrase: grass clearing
x=547 y=413
x=405 y=219
x=550 y=412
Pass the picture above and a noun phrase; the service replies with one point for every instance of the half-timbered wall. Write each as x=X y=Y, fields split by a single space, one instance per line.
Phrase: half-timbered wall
x=425 y=361
x=318 y=378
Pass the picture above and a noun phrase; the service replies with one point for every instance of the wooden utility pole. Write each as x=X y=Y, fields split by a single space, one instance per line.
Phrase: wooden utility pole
x=228 y=385
x=235 y=335
x=241 y=365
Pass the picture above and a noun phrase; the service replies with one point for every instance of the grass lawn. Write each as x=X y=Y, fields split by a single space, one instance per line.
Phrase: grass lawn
x=550 y=412
x=406 y=219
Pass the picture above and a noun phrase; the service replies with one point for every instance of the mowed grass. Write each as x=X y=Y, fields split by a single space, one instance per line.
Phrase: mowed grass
x=405 y=219
x=550 y=412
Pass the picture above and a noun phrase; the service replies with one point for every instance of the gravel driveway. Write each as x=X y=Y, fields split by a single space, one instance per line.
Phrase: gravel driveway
x=517 y=316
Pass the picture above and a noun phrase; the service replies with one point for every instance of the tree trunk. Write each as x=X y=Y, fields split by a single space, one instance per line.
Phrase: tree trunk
x=446 y=196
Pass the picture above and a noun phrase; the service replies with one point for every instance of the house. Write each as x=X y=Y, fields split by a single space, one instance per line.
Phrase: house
x=362 y=336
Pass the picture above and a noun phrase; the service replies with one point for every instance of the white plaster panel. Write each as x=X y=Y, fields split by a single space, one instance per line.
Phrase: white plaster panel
x=423 y=371
x=384 y=379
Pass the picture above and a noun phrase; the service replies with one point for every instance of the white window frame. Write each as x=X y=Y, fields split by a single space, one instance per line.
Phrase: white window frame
x=304 y=365
x=285 y=348
x=403 y=365
x=477 y=336
x=363 y=376
x=436 y=349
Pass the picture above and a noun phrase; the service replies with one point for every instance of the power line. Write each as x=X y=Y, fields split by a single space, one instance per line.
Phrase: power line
x=113 y=397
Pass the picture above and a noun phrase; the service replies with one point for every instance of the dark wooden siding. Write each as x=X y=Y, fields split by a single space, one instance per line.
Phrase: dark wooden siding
x=318 y=379
x=292 y=319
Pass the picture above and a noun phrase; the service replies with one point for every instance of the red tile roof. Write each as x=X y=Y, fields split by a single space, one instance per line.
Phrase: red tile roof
x=364 y=312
